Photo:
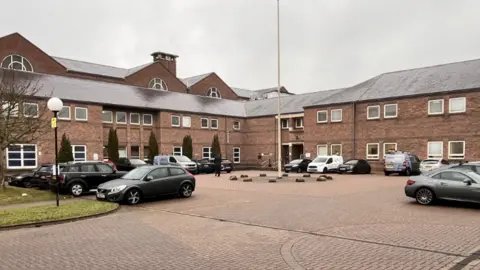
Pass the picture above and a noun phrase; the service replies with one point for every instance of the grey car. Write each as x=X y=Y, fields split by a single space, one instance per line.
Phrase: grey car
x=148 y=182
x=456 y=183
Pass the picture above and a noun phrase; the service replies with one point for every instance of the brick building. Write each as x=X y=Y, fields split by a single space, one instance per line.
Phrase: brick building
x=431 y=111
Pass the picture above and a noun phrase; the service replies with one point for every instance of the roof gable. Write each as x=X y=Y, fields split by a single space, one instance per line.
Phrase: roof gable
x=191 y=81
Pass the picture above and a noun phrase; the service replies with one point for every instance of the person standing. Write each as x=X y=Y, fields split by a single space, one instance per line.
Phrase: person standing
x=217 y=161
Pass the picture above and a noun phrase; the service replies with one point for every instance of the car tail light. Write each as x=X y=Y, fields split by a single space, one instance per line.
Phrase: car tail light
x=404 y=163
x=61 y=178
x=410 y=182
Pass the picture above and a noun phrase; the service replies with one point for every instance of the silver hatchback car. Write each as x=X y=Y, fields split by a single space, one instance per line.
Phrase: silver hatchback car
x=456 y=183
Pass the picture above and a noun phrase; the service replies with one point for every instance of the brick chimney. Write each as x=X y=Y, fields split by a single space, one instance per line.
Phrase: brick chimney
x=167 y=60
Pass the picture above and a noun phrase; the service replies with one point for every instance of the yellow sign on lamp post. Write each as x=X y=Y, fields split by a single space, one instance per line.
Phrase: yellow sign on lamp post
x=54 y=122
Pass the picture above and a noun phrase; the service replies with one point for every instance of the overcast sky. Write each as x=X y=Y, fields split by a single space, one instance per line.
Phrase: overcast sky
x=325 y=44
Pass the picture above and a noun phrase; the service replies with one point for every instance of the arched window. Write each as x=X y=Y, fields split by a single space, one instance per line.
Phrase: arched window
x=214 y=92
x=17 y=62
x=157 y=83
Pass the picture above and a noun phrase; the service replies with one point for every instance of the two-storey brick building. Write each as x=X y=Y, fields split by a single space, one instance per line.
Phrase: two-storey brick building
x=431 y=111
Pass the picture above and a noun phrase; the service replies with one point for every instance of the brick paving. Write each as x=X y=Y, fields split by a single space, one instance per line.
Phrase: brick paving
x=352 y=222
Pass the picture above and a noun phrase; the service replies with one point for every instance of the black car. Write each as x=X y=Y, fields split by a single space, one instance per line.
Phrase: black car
x=226 y=166
x=126 y=164
x=355 y=166
x=37 y=178
x=148 y=182
x=297 y=165
x=80 y=178
x=204 y=165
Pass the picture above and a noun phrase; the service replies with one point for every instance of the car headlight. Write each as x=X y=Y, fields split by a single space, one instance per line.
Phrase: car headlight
x=118 y=189
x=18 y=177
x=294 y=166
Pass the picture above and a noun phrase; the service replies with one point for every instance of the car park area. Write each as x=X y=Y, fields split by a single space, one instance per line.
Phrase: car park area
x=362 y=221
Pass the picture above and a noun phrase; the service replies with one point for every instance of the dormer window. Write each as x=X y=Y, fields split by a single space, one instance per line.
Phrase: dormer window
x=17 y=62
x=214 y=93
x=157 y=83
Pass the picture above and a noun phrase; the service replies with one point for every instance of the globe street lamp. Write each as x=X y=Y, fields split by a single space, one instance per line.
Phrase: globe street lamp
x=55 y=104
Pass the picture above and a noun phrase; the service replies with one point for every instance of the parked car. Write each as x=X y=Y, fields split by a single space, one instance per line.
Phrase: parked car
x=432 y=163
x=79 y=178
x=325 y=164
x=182 y=161
x=36 y=178
x=446 y=184
x=355 y=166
x=148 y=182
x=226 y=166
x=126 y=164
x=401 y=163
x=297 y=165
x=204 y=165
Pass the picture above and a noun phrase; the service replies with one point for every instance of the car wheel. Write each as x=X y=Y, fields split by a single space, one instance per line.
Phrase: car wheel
x=186 y=190
x=26 y=183
x=133 y=196
x=229 y=171
x=369 y=171
x=425 y=196
x=387 y=173
x=76 y=189
x=325 y=170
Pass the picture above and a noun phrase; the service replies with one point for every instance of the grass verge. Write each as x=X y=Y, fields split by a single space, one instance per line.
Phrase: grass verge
x=73 y=209
x=16 y=195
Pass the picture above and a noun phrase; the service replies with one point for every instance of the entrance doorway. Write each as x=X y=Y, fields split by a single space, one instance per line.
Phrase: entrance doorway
x=285 y=157
x=297 y=151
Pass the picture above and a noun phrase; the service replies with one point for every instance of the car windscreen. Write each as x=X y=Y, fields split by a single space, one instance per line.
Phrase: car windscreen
x=395 y=158
x=320 y=160
x=137 y=174
x=430 y=161
x=351 y=162
x=183 y=159
x=45 y=169
x=137 y=162
x=296 y=161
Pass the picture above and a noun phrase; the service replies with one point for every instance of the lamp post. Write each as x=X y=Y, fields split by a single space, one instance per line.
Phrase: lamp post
x=279 y=134
x=55 y=104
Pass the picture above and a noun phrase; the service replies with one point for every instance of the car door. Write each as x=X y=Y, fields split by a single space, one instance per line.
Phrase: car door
x=329 y=164
x=158 y=184
x=450 y=185
x=106 y=173
x=177 y=176
x=89 y=173
x=415 y=161
x=361 y=166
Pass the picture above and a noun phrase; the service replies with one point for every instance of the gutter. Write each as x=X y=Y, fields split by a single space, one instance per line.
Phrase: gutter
x=354 y=105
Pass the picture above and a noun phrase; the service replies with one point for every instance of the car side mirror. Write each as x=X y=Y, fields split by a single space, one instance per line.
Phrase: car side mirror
x=467 y=181
x=149 y=178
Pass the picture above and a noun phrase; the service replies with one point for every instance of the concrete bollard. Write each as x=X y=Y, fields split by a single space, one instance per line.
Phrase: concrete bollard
x=247 y=180
x=300 y=180
x=233 y=178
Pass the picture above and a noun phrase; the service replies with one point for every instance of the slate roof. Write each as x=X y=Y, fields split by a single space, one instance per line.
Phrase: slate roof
x=245 y=93
x=195 y=79
x=98 y=92
x=98 y=69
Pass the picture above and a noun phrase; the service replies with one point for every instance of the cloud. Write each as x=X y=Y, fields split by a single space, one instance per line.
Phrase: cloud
x=324 y=44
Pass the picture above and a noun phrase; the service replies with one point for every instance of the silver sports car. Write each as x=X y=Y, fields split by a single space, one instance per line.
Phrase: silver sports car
x=455 y=183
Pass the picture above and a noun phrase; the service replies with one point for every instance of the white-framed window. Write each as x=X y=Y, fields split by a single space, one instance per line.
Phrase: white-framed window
x=30 y=110
x=373 y=112
x=435 y=149
x=81 y=114
x=456 y=150
x=107 y=116
x=236 y=125
x=9 y=109
x=177 y=151
x=157 y=83
x=17 y=62
x=389 y=147
x=390 y=110
x=457 y=105
x=122 y=152
x=64 y=113
x=214 y=123
x=79 y=152
x=435 y=106
x=236 y=155
x=336 y=149
x=135 y=152
x=186 y=121
x=21 y=156
x=175 y=120
x=147 y=119
x=373 y=151
x=121 y=117
x=134 y=118
x=336 y=115
x=214 y=92
x=322 y=150
x=204 y=123
x=322 y=116
x=206 y=152
x=284 y=123
x=299 y=122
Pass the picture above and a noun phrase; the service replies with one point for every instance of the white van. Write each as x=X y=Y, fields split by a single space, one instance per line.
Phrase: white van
x=325 y=164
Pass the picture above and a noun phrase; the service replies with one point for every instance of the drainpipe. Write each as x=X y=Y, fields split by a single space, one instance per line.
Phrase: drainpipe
x=354 y=105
